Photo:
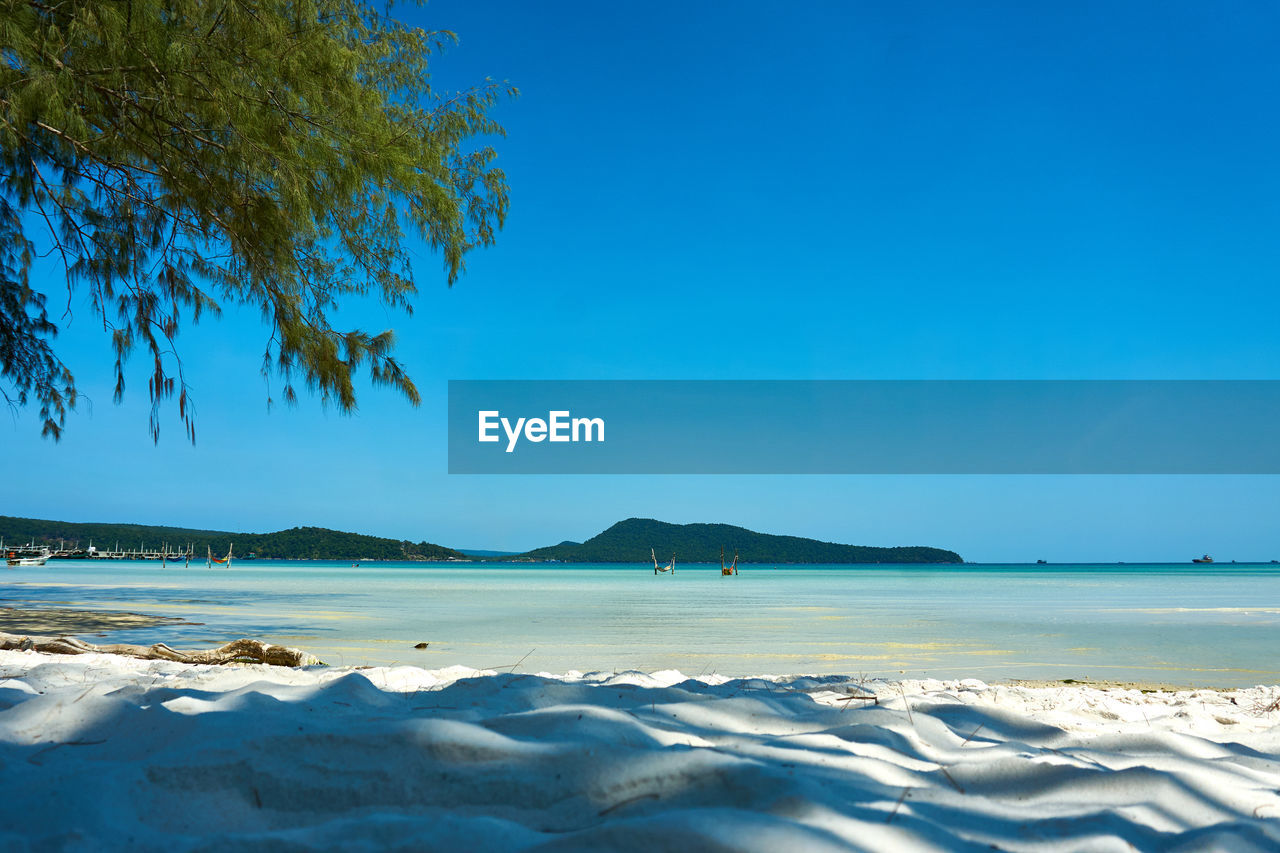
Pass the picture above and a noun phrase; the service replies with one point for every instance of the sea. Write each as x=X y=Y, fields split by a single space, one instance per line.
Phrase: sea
x=1181 y=624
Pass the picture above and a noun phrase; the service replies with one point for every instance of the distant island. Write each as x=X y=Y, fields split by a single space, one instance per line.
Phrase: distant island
x=625 y=542
x=298 y=543
x=629 y=542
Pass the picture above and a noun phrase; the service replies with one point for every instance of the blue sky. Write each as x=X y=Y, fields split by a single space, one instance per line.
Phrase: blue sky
x=764 y=191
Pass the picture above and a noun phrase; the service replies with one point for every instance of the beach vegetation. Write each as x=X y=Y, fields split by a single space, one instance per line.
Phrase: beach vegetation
x=174 y=158
x=297 y=543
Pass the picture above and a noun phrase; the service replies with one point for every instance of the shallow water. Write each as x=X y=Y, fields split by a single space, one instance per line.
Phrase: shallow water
x=1181 y=624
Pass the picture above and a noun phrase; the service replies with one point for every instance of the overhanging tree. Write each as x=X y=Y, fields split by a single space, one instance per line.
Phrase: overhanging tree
x=179 y=155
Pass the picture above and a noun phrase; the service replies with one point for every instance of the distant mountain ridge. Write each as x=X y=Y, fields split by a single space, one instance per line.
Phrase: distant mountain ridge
x=629 y=541
x=298 y=543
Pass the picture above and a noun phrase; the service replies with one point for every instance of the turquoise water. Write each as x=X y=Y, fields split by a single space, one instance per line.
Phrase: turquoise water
x=1184 y=624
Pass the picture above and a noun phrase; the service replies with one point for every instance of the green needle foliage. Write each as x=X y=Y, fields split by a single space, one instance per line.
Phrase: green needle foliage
x=180 y=155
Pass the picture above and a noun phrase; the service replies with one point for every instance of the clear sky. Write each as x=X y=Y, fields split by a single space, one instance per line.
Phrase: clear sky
x=777 y=191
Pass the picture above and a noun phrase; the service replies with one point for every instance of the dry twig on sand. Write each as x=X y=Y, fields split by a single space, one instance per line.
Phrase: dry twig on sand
x=237 y=651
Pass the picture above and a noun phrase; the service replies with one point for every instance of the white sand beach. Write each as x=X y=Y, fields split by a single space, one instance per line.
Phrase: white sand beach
x=101 y=752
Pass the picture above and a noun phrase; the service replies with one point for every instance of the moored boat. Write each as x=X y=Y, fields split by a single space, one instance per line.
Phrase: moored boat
x=1205 y=559
x=38 y=560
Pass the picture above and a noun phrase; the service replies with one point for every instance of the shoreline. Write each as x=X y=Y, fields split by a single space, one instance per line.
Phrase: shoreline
x=165 y=756
x=117 y=625
x=81 y=623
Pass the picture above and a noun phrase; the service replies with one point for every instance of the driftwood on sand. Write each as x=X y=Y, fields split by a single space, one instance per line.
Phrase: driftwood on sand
x=237 y=651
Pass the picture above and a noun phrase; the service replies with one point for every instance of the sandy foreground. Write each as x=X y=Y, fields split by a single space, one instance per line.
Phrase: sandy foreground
x=101 y=752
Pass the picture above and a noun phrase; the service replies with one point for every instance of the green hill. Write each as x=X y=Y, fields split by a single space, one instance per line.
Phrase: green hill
x=298 y=543
x=629 y=542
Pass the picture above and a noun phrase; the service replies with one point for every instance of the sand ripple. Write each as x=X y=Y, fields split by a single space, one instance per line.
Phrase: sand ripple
x=99 y=752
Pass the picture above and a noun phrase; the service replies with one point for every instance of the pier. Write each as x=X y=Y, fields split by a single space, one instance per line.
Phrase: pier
x=164 y=552
x=62 y=552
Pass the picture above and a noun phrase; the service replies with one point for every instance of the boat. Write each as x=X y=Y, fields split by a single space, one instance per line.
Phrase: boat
x=38 y=560
x=1205 y=559
x=670 y=567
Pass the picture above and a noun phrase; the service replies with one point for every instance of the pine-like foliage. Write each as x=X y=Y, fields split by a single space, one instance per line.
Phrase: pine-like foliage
x=180 y=155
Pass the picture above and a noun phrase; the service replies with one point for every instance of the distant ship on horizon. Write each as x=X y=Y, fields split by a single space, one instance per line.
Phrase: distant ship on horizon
x=1205 y=559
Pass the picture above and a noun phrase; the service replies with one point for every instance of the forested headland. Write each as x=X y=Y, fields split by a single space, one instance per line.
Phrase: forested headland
x=297 y=543
x=630 y=541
